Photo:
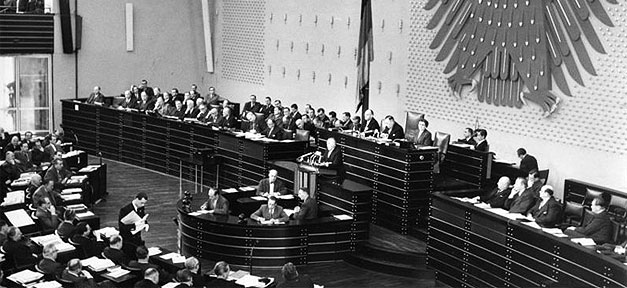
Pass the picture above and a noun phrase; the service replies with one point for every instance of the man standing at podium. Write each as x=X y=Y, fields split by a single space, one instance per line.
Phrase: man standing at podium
x=271 y=186
x=132 y=218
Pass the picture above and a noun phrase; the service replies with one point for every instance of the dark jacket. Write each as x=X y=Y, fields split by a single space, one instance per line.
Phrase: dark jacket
x=496 y=198
x=117 y=256
x=521 y=203
x=276 y=133
x=395 y=133
x=264 y=186
x=50 y=267
x=369 y=127
x=597 y=226
x=308 y=210
x=222 y=205
x=548 y=215
x=424 y=139
x=528 y=163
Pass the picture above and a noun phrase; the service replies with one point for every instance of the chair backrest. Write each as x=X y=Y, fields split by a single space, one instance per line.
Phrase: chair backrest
x=411 y=125
x=590 y=195
x=64 y=282
x=618 y=207
x=617 y=232
x=544 y=175
x=301 y=135
x=441 y=141
x=573 y=211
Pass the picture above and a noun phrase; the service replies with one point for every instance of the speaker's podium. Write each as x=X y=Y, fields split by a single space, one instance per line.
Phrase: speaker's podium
x=303 y=174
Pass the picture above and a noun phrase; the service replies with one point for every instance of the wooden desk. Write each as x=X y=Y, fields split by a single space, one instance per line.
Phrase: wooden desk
x=468 y=166
x=221 y=237
x=169 y=146
x=468 y=246
x=401 y=179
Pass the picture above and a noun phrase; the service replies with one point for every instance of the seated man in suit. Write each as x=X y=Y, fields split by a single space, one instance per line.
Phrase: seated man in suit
x=291 y=278
x=521 y=199
x=48 y=264
x=252 y=106
x=482 y=143
x=424 y=136
x=203 y=112
x=370 y=125
x=47 y=191
x=534 y=183
x=24 y=158
x=345 y=122
x=468 y=137
x=151 y=279
x=496 y=198
x=145 y=103
x=309 y=208
x=270 y=213
x=47 y=215
x=392 y=130
x=143 y=263
x=13 y=146
x=190 y=109
x=528 y=163
x=114 y=251
x=222 y=271
x=547 y=211
x=57 y=174
x=271 y=186
x=96 y=97
x=9 y=171
x=598 y=226
x=228 y=120
x=130 y=101
x=216 y=204
x=193 y=266
x=39 y=154
x=75 y=274
x=86 y=240
x=252 y=125
x=17 y=250
x=274 y=131
x=66 y=228
x=53 y=146
x=178 y=111
x=184 y=278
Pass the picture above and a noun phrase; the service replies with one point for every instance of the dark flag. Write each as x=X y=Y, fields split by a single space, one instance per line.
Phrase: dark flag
x=365 y=54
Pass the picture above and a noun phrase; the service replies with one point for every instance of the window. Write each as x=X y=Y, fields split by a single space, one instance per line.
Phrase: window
x=25 y=99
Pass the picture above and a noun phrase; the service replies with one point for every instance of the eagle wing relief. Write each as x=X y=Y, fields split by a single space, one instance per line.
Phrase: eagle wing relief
x=518 y=47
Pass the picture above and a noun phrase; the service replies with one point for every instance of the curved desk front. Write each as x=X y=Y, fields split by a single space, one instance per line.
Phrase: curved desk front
x=221 y=237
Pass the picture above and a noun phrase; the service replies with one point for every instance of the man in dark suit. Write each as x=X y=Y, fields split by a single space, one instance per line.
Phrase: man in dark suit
x=528 y=163
x=309 y=208
x=47 y=191
x=496 y=198
x=47 y=215
x=53 y=147
x=193 y=266
x=271 y=186
x=482 y=143
x=534 y=183
x=193 y=93
x=48 y=264
x=369 y=124
x=114 y=251
x=13 y=146
x=203 y=112
x=24 y=158
x=547 y=211
x=252 y=106
x=58 y=174
x=392 y=130
x=521 y=199
x=228 y=120
x=222 y=271
x=85 y=239
x=39 y=153
x=216 y=204
x=598 y=226
x=184 y=278
x=178 y=111
x=424 y=136
x=143 y=87
x=252 y=125
x=273 y=131
x=468 y=137
x=137 y=206
x=267 y=109
x=130 y=101
x=17 y=249
x=145 y=103
x=270 y=213
x=143 y=263
x=95 y=97
x=294 y=115
x=9 y=171
x=151 y=279
x=75 y=274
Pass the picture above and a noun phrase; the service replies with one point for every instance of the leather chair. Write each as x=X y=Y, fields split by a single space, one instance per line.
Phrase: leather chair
x=572 y=214
x=441 y=141
x=618 y=232
x=544 y=175
x=618 y=208
x=411 y=125
x=301 y=135
x=590 y=195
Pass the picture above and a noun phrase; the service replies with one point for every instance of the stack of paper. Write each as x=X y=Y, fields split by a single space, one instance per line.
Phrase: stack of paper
x=229 y=190
x=342 y=217
x=89 y=168
x=25 y=276
x=483 y=205
x=48 y=284
x=152 y=251
x=178 y=259
x=56 y=240
x=20 y=182
x=584 y=241
x=70 y=197
x=76 y=207
x=71 y=191
x=85 y=214
x=286 y=197
x=12 y=198
x=251 y=281
x=19 y=218
x=169 y=255
x=107 y=232
x=118 y=272
x=258 y=198
x=514 y=216
x=96 y=264
x=248 y=188
x=235 y=275
x=170 y=285
x=555 y=232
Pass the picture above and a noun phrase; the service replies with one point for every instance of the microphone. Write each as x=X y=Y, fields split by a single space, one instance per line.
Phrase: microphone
x=300 y=158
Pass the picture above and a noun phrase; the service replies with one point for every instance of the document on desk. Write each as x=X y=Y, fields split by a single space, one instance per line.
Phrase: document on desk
x=25 y=276
x=229 y=190
x=47 y=284
x=532 y=224
x=342 y=217
x=70 y=197
x=89 y=168
x=107 y=232
x=247 y=188
x=178 y=259
x=85 y=214
x=483 y=205
x=170 y=285
x=118 y=272
x=152 y=251
x=71 y=191
x=258 y=198
x=19 y=218
x=286 y=197
x=169 y=255
x=555 y=232
x=12 y=198
x=584 y=241
x=251 y=281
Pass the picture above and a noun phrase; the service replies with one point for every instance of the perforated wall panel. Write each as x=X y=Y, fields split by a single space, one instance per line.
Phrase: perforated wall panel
x=243 y=30
x=594 y=117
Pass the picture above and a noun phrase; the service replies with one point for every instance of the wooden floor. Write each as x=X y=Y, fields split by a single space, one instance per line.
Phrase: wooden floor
x=125 y=181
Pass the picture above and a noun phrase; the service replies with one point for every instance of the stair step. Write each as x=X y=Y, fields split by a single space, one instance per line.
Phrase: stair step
x=396 y=256
x=388 y=267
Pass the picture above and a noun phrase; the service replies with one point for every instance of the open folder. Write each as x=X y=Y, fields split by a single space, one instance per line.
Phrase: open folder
x=133 y=218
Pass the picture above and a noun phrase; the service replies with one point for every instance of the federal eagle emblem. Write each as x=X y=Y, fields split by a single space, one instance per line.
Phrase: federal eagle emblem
x=517 y=46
